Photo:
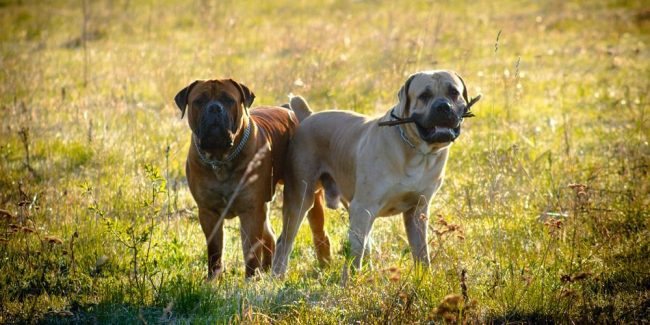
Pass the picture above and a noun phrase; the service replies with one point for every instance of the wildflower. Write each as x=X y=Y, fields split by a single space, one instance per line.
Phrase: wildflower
x=395 y=273
x=449 y=316
x=52 y=240
x=577 y=277
x=451 y=305
x=6 y=215
x=27 y=230
x=580 y=189
x=565 y=278
x=64 y=313
x=566 y=293
x=167 y=312
x=452 y=299
x=554 y=225
x=581 y=276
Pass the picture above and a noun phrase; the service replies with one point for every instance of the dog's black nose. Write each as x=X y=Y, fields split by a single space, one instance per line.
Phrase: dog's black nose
x=442 y=105
x=214 y=107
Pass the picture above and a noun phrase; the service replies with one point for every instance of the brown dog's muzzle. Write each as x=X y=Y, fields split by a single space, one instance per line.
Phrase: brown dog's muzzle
x=214 y=128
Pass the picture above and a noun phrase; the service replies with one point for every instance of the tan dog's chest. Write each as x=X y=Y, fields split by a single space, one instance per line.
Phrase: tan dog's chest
x=401 y=189
x=409 y=191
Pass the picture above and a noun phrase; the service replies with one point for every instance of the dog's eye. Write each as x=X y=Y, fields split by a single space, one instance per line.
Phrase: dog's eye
x=228 y=101
x=425 y=96
x=453 y=93
x=198 y=102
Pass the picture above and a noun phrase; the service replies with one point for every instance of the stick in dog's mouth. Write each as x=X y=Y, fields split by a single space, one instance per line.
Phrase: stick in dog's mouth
x=466 y=114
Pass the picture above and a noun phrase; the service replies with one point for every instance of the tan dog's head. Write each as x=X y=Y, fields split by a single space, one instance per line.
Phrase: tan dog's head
x=216 y=111
x=436 y=101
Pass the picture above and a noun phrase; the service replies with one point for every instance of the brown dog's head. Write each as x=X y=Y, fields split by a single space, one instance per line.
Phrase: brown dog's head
x=436 y=101
x=216 y=111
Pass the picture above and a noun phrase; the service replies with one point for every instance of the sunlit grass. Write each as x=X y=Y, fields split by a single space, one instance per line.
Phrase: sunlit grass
x=91 y=144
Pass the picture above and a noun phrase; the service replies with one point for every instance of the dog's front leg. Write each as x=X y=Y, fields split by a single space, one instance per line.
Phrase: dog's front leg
x=213 y=230
x=361 y=220
x=415 y=221
x=252 y=227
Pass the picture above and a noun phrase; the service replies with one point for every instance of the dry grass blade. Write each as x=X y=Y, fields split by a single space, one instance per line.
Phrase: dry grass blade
x=247 y=178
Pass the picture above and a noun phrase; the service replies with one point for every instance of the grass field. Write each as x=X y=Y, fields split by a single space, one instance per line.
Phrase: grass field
x=543 y=217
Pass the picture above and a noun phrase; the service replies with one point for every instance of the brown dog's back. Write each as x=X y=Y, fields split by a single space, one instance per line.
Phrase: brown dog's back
x=277 y=126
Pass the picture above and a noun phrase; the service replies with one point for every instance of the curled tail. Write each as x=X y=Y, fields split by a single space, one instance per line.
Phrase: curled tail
x=299 y=106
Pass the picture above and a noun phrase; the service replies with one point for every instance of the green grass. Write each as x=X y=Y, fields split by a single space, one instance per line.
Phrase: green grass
x=565 y=89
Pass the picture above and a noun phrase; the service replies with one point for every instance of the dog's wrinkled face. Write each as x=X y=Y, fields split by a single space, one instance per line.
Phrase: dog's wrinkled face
x=216 y=110
x=436 y=101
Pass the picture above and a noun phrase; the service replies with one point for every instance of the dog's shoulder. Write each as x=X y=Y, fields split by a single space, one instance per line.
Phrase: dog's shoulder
x=274 y=118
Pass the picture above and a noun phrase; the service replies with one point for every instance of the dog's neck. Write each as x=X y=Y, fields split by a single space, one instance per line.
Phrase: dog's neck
x=216 y=165
x=418 y=147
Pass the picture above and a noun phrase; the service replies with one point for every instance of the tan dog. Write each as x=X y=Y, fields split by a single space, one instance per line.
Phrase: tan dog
x=379 y=171
x=234 y=163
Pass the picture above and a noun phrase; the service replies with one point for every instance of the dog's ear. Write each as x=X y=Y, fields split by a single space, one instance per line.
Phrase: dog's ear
x=246 y=94
x=464 y=88
x=181 y=97
x=403 y=96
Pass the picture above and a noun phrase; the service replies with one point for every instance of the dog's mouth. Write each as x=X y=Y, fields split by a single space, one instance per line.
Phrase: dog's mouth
x=214 y=133
x=215 y=139
x=438 y=126
x=437 y=134
x=215 y=143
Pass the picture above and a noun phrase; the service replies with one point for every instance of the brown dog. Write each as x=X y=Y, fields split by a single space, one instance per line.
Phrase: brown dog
x=235 y=160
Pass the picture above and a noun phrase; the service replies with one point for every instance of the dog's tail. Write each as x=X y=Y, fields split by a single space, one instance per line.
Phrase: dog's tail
x=299 y=106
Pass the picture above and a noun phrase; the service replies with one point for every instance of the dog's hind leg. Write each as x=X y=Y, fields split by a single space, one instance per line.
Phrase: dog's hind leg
x=297 y=201
x=316 y=219
x=269 y=241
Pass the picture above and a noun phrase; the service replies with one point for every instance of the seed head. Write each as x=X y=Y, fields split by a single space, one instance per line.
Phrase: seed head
x=27 y=230
x=6 y=215
x=52 y=240
x=452 y=299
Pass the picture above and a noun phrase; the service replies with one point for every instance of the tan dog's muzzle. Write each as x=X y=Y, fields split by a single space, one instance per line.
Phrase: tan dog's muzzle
x=438 y=124
x=441 y=125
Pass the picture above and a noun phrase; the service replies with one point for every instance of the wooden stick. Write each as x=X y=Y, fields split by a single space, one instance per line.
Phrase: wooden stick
x=411 y=120
x=396 y=122
x=473 y=101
